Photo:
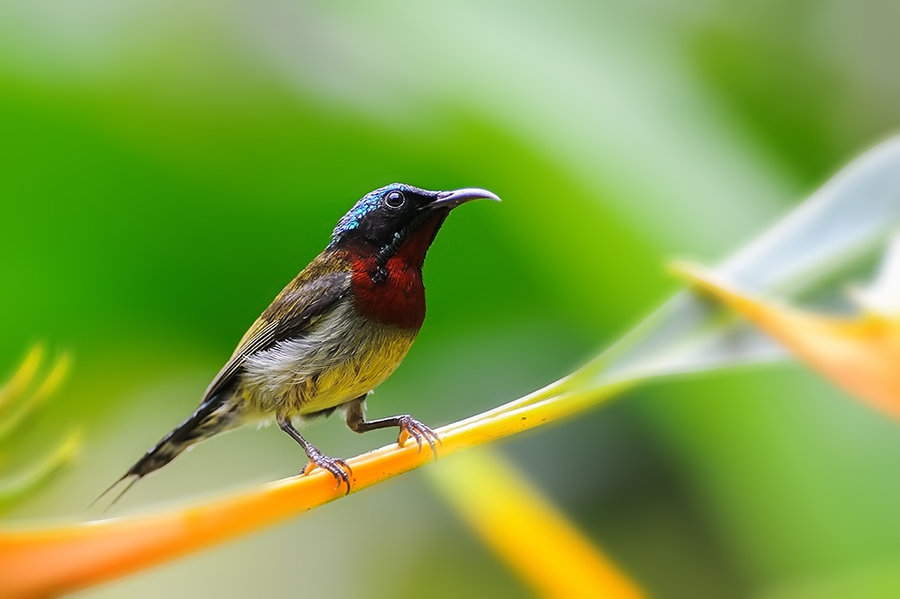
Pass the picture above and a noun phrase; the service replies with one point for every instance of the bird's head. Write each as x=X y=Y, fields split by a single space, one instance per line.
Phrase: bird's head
x=388 y=216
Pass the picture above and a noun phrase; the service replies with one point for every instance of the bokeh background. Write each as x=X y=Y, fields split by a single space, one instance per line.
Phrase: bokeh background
x=166 y=167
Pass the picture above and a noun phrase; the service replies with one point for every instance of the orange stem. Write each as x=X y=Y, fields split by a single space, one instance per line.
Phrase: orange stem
x=50 y=561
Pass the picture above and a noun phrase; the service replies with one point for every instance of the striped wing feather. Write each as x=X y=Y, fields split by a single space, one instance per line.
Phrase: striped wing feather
x=300 y=304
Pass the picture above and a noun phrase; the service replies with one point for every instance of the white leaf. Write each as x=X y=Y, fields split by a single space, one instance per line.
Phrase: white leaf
x=850 y=217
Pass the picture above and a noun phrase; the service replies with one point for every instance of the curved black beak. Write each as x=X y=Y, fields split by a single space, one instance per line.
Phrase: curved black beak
x=452 y=199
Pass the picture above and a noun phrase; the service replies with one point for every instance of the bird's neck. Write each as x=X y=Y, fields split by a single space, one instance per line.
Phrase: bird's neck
x=387 y=281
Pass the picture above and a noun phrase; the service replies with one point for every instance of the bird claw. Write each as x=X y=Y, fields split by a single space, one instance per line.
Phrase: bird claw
x=410 y=427
x=338 y=468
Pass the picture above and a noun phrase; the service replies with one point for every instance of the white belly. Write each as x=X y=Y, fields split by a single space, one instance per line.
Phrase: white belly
x=342 y=357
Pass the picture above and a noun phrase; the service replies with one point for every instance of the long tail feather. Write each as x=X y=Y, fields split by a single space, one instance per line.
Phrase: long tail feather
x=212 y=417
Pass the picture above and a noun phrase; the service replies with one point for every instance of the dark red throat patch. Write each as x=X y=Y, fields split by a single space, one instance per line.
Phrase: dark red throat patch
x=398 y=299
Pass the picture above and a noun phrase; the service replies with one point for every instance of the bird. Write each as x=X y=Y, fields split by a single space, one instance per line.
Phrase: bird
x=339 y=329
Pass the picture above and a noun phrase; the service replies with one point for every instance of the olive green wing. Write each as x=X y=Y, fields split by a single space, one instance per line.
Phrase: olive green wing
x=295 y=309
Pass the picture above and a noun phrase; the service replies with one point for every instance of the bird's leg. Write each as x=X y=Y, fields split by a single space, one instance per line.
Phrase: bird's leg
x=337 y=467
x=409 y=426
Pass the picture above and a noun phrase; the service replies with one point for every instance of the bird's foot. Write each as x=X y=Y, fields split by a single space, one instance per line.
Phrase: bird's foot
x=338 y=468
x=410 y=427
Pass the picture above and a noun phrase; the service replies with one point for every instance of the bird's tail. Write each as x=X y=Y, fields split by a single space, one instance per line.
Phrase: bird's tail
x=216 y=415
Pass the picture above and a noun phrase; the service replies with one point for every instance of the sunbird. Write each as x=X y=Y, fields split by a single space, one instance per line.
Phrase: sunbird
x=332 y=335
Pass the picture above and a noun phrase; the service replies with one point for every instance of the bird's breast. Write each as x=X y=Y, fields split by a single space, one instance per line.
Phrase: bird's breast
x=343 y=356
x=397 y=300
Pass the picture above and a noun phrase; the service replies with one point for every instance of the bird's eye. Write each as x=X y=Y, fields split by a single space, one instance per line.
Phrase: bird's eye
x=394 y=199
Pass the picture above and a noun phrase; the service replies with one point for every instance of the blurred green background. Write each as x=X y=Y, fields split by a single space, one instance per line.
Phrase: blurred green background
x=166 y=167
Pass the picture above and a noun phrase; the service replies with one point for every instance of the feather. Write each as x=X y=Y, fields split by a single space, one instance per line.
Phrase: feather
x=299 y=304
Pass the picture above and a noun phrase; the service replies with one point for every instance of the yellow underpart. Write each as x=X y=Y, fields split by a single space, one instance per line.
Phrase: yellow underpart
x=348 y=381
x=372 y=355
